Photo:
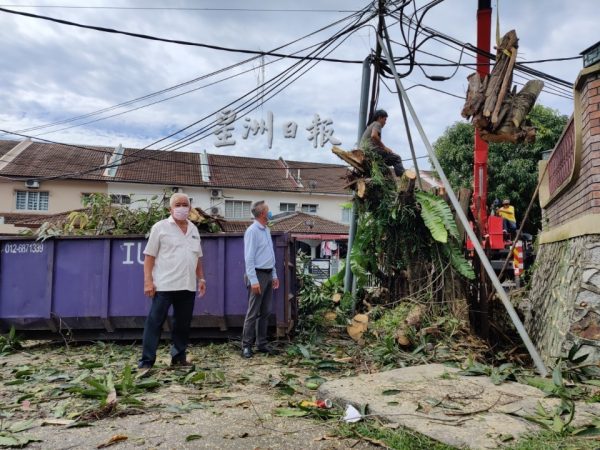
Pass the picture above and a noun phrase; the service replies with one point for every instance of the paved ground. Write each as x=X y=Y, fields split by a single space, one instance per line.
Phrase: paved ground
x=462 y=411
x=232 y=405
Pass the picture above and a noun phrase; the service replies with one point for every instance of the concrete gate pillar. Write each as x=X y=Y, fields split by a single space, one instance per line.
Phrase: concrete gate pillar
x=564 y=303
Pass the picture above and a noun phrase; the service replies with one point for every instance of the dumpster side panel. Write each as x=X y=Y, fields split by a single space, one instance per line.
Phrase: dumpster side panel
x=126 y=284
x=78 y=279
x=26 y=279
x=279 y=297
x=212 y=303
x=235 y=291
x=97 y=284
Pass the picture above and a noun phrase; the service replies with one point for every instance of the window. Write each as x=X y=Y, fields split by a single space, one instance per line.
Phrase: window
x=287 y=207
x=346 y=214
x=115 y=199
x=237 y=209
x=120 y=199
x=309 y=208
x=32 y=201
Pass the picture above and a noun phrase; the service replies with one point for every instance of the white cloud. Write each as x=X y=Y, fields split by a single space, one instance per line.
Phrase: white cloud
x=51 y=71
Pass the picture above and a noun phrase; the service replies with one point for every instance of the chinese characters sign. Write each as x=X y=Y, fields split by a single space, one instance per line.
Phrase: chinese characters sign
x=318 y=131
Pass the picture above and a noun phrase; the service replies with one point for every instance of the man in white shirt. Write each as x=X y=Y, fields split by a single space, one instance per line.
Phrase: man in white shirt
x=261 y=279
x=172 y=270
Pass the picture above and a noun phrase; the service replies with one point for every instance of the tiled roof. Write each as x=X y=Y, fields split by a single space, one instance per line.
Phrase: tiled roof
x=295 y=223
x=24 y=218
x=55 y=160
x=41 y=160
x=5 y=146
x=272 y=175
x=429 y=180
x=235 y=226
x=320 y=178
x=160 y=167
x=302 y=223
x=249 y=173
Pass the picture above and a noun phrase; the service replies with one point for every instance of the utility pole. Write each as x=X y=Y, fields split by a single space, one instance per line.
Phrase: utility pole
x=365 y=107
x=362 y=124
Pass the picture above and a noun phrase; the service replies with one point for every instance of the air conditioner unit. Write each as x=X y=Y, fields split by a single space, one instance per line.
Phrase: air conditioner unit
x=216 y=211
x=32 y=184
x=216 y=193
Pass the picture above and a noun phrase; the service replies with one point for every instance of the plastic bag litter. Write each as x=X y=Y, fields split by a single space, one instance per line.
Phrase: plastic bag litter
x=352 y=415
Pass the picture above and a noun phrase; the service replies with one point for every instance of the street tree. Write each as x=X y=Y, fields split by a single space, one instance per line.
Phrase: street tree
x=512 y=168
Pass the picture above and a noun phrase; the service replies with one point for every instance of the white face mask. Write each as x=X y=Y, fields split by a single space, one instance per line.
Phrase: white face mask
x=181 y=212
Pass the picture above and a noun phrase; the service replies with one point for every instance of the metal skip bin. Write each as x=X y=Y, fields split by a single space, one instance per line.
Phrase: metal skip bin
x=92 y=287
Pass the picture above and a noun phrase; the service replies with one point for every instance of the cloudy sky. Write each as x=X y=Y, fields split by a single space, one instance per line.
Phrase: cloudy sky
x=51 y=72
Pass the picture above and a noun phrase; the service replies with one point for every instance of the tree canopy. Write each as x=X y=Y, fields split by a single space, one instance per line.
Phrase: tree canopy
x=512 y=169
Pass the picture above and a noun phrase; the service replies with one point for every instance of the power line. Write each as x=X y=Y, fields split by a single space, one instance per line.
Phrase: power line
x=433 y=89
x=161 y=100
x=348 y=30
x=568 y=58
x=247 y=104
x=518 y=66
x=153 y=94
x=174 y=8
x=439 y=37
x=170 y=41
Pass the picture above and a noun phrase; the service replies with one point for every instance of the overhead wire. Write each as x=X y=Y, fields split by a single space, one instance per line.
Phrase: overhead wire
x=247 y=107
x=554 y=88
x=442 y=38
x=272 y=84
x=174 y=8
x=416 y=33
x=435 y=78
x=193 y=80
x=160 y=39
x=359 y=14
x=437 y=35
x=18 y=133
x=162 y=100
x=354 y=15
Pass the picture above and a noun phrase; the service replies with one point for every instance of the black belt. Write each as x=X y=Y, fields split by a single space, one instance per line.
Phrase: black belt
x=265 y=270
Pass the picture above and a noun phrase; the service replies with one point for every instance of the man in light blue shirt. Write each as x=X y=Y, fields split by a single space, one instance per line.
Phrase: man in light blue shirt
x=261 y=279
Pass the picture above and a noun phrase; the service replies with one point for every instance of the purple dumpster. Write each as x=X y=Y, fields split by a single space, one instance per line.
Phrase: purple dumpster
x=92 y=287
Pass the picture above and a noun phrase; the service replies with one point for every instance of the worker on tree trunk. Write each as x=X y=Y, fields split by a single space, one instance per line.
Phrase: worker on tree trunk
x=371 y=140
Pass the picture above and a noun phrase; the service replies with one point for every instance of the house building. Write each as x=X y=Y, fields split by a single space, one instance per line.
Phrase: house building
x=46 y=179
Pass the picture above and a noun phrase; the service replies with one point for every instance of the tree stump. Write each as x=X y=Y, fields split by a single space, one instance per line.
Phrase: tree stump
x=406 y=183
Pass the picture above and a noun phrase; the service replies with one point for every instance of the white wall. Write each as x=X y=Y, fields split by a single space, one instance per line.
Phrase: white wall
x=200 y=196
x=329 y=205
x=63 y=195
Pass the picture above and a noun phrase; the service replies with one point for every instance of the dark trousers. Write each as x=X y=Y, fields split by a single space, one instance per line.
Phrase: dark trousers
x=183 y=308
x=509 y=226
x=259 y=310
x=391 y=159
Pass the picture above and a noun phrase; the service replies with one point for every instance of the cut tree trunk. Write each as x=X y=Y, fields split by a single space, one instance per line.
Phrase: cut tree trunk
x=355 y=158
x=505 y=85
x=361 y=187
x=406 y=183
x=495 y=111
